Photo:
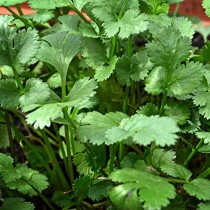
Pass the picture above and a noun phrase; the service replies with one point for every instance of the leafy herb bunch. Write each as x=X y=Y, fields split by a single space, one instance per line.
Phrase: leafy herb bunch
x=101 y=122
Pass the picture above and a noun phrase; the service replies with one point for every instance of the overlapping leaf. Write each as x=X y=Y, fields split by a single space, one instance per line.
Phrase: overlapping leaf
x=49 y=4
x=11 y=2
x=206 y=6
x=140 y=189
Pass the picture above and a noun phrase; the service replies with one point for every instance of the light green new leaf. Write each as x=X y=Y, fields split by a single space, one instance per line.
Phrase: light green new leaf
x=9 y=94
x=36 y=92
x=48 y=4
x=204 y=206
x=205 y=136
x=139 y=186
x=44 y=115
x=206 y=6
x=199 y=188
x=59 y=49
x=96 y=58
x=144 y=130
x=94 y=126
x=202 y=100
x=16 y=203
x=11 y=2
x=166 y=52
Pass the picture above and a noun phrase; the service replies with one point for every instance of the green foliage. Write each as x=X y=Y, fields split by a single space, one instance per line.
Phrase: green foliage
x=16 y=203
x=51 y=4
x=10 y=3
x=139 y=188
x=206 y=6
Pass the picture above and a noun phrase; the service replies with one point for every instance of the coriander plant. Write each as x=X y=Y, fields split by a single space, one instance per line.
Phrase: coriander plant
x=107 y=109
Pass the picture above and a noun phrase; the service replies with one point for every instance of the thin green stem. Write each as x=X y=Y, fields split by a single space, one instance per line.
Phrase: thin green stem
x=55 y=163
x=26 y=22
x=176 y=9
x=205 y=173
x=113 y=47
x=19 y=9
x=193 y=152
x=79 y=13
x=112 y=153
x=44 y=199
x=175 y=180
x=61 y=147
x=9 y=132
x=63 y=87
x=69 y=160
x=163 y=103
x=17 y=78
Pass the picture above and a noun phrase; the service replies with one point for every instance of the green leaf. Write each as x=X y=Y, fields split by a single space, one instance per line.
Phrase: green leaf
x=58 y=50
x=96 y=58
x=144 y=130
x=139 y=186
x=94 y=126
x=63 y=199
x=9 y=94
x=4 y=139
x=55 y=80
x=199 y=188
x=18 y=49
x=42 y=16
x=133 y=69
x=50 y=4
x=202 y=100
x=81 y=186
x=99 y=190
x=154 y=6
x=204 y=206
x=11 y=2
x=206 y=6
x=16 y=203
x=205 y=136
x=36 y=92
x=168 y=53
x=178 y=111
x=7 y=171
x=180 y=82
x=29 y=180
x=149 y=109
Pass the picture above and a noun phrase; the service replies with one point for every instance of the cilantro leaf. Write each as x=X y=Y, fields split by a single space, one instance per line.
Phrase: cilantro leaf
x=11 y=2
x=154 y=6
x=201 y=99
x=180 y=82
x=149 y=109
x=35 y=92
x=18 y=48
x=16 y=203
x=4 y=143
x=199 y=187
x=96 y=57
x=59 y=49
x=139 y=186
x=94 y=126
x=9 y=94
x=205 y=136
x=206 y=6
x=204 y=206
x=144 y=130
x=50 y=4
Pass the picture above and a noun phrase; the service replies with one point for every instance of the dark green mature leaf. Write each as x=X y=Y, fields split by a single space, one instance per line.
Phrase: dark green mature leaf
x=94 y=126
x=168 y=53
x=204 y=206
x=63 y=199
x=59 y=49
x=139 y=186
x=48 y=4
x=180 y=82
x=96 y=58
x=154 y=7
x=29 y=180
x=36 y=92
x=4 y=140
x=199 y=187
x=11 y=2
x=9 y=94
x=144 y=130
x=202 y=100
x=18 y=49
x=16 y=203
x=206 y=6
x=149 y=109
